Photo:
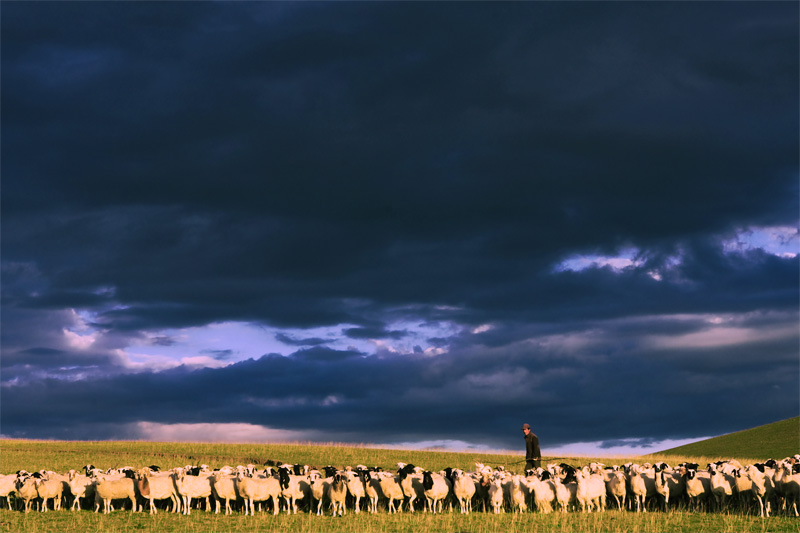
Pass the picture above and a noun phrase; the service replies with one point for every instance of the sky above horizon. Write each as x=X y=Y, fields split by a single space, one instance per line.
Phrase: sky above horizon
x=402 y=224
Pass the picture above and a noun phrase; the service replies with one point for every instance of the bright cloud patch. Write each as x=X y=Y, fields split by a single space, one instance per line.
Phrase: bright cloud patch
x=140 y=362
x=783 y=241
x=79 y=335
x=76 y=340
x=627 y=258
x=215 y=433
x=218 y=344
x=236 y=340
x=720 y=336
x=482 y=329
x=446 y=445
x=620 y=447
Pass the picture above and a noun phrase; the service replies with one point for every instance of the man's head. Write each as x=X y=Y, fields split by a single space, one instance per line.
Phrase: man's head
x=526 y=428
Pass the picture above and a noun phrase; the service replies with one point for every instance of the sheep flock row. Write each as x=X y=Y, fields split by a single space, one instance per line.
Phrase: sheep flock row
x=724 y=486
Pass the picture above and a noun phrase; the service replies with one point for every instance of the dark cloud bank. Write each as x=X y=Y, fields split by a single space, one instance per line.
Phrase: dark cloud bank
x=357 y=166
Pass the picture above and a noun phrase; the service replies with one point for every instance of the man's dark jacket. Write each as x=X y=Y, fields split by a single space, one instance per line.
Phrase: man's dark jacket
x=532 y=447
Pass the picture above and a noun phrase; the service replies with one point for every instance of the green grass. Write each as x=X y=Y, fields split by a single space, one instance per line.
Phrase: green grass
x=612 y=521
x=776 y=440
x=62 y=456
x=125 y=521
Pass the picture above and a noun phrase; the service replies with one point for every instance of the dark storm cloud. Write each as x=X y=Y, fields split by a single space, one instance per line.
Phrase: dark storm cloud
x=356 y=166
x=219 y=355
x=291 y=341
x=373 y=333
x=162 y=341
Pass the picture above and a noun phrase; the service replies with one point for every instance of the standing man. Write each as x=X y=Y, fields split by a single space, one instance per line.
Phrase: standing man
x=533 y=456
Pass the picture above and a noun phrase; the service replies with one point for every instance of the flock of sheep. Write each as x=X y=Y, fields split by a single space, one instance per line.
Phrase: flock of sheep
x=763 y=488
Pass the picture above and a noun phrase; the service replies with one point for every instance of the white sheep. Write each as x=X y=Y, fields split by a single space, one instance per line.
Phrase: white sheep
x=50 y=489
x=319 y=491
x=542 y=493
x=760 y=489
x=223 y=488
x=356 y=486
x=258 y=489
x=771 y=491
x=412 y=489
x=154 y=487
x=722 y=486
x=591 y=491
x=293 y=488
x=189 y=487
x=638 y=485
x=566 y=493
x=7 y=486
x=436 y=489
x=743 y=486
x=392 y=490
x=372 y=489
x=496 y=496
x=26 y=490
x=464 y=490
x=337 y=493
x=517 y=495
x=80 y=486
x=662 y=487
x=790 y=487
x=698 y=487
x=107 y=490
x=616 y=487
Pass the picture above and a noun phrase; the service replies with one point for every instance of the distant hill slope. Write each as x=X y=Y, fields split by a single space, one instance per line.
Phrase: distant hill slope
x=776 y=440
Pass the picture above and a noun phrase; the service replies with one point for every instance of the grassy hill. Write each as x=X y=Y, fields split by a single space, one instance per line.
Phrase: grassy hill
x=776 y=440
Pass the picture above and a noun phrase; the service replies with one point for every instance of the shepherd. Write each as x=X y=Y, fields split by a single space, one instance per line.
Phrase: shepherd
x=533 y=457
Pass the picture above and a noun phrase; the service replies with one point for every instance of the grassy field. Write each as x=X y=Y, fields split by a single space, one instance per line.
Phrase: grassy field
x=612 y=521
x=65 y=455
x=776 y=440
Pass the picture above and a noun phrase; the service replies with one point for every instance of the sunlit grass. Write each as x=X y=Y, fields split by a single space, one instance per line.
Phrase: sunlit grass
x=776 y=440
x=124 y=521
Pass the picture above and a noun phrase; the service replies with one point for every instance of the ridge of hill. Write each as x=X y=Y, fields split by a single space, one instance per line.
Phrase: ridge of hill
x=776 y=440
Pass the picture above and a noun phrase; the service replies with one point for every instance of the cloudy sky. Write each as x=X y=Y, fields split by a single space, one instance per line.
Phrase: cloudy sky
x=408 y=224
